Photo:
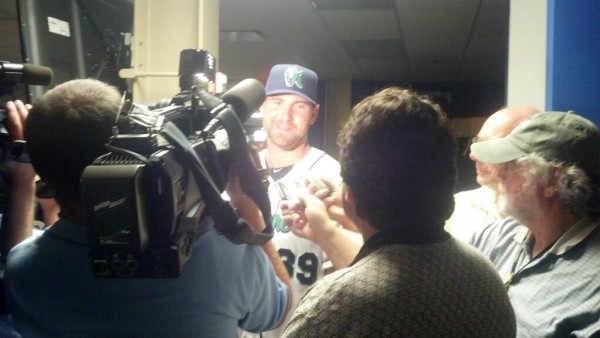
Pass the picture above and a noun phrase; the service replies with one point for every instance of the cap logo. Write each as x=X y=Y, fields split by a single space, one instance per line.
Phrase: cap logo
x=293 y=76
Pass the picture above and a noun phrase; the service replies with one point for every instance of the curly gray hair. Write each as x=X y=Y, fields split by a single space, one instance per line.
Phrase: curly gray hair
x=578 y=194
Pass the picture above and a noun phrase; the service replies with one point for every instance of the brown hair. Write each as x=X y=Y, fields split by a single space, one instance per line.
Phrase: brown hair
x=398 y=157
x=67 y=129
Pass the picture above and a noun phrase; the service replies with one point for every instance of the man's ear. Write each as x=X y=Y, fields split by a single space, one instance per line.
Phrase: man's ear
x=348 y=195
x=315 y=113
x=349 y=202
x=551 y=187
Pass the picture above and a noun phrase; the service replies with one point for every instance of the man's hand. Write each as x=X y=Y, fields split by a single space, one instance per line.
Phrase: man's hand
x=16 y=114
x=308 y=218
x=13 y=171
x=331 y=196
x=17 y=221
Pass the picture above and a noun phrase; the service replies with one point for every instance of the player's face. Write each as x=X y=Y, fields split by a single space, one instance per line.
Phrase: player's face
x=287 y=118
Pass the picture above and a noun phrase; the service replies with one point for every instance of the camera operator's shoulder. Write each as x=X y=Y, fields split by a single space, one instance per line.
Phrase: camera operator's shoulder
x=23 y=250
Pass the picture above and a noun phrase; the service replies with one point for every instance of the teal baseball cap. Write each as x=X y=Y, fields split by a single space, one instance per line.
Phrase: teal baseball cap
x=292 y=79
x=556 y=136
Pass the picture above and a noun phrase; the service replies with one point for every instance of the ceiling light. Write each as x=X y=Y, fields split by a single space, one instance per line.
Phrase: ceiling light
x=241 y=36
x=326 y=5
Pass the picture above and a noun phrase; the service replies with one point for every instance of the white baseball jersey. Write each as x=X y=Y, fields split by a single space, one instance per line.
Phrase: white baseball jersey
x=302 y=258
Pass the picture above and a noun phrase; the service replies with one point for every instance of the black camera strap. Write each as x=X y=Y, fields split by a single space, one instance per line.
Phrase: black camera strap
x=227 y=221
x=250 y=179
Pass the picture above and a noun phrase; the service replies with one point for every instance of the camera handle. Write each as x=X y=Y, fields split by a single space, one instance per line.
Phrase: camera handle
x=227 y=221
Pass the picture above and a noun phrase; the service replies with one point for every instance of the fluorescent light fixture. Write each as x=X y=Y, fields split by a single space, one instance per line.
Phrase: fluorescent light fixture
x=337 y=5
x=241 y=36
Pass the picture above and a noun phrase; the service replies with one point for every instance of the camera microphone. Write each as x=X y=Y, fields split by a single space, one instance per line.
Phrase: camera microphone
x=245 y=98
x=25 y=73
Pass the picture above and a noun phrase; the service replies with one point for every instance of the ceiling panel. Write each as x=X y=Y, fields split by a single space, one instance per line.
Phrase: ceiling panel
x=433 y=72
x=350 y=25
x=485 y=3
x=350 y=4
x=424 y=40
x=436 y=50
x=426 y=4
x=446 y=23
x=386 y=69
x=484 y=58
x=492 y=22
x=374 y=49
x=433 y=40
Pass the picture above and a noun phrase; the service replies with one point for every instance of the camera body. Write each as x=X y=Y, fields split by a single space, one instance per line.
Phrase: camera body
x=144 y=215
x=143 y=202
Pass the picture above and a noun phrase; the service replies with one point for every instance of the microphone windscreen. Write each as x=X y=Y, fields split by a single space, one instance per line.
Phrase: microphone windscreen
x=245 y=97
x=36 y=75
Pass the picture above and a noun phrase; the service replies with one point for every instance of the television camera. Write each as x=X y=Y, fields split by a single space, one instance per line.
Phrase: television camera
x=160 y=184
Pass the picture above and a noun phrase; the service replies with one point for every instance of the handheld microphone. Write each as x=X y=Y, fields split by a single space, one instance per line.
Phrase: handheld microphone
x=25 y=73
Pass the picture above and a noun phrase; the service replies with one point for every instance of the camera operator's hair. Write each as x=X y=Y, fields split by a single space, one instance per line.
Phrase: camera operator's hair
x=398 y=157
x=67 y=129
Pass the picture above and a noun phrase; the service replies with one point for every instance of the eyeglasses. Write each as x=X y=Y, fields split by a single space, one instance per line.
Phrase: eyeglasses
x=468 y=145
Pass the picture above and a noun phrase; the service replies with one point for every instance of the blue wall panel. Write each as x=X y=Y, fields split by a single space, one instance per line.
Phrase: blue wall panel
x=573 y=58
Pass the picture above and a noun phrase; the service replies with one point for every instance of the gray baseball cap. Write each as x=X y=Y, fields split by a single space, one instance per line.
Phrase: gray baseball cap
x=564 y=137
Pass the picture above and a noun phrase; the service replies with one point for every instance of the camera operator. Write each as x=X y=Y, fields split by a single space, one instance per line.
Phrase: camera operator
x=49 y=282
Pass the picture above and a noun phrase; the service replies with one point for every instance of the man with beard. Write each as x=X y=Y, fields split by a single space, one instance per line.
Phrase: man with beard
x=548 y=250
x=477 y=208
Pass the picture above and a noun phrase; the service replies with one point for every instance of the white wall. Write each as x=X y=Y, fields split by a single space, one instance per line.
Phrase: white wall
x=162 y=28
x=527 y=53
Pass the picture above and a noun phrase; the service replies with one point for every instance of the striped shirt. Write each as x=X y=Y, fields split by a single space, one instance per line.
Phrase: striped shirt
x=557 y=293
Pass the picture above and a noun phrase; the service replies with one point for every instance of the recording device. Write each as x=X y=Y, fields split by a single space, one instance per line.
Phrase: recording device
x=194 y=63
x=292 y=192
x=152 y=194
x=15 y=73
x=11 y=75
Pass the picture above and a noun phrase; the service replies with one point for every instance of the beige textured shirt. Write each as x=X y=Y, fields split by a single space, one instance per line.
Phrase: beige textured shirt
x=431 y=290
